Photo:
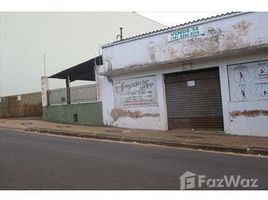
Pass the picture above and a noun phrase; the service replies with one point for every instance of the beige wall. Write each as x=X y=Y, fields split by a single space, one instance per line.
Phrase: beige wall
x=66 y=38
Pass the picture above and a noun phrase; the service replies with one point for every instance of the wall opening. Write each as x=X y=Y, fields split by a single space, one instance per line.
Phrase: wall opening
x=75 y=118
x=194 y=99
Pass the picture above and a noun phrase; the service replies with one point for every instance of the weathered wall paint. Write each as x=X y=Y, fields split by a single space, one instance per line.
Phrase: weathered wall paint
x=248 y=118
x=240 y=31
x=161 y=63
x=144 y=117
x=88 y=113
x=239 y=125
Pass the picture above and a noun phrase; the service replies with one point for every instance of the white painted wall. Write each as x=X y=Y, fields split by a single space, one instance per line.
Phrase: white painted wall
x=107 y=96
x=240 y=125
x=136 y=54
x=236 y=32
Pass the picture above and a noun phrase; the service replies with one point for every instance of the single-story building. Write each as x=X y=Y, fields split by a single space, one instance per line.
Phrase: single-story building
x=206 y=74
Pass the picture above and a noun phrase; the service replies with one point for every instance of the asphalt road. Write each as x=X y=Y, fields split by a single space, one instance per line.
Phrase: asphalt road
x=33 y=161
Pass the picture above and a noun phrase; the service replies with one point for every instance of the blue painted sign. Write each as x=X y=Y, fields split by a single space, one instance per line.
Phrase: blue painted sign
x=185 y=33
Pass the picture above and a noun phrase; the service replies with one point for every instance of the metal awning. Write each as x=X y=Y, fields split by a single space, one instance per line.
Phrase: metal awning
x=84 y=71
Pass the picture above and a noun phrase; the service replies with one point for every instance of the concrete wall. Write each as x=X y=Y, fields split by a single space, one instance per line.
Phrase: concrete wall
x=78 y=94
x=240 y=32
x=88 y=113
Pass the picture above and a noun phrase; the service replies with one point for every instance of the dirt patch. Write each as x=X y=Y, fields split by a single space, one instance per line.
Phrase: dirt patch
x=26 y=123
x=234 y=37
x=151 y=49
x=196 y=47
x=116 y=113
x=188 y=136
x=248 y=113
x=63 y=126
x=242 y=27
x=112 y=130
x=172 y=52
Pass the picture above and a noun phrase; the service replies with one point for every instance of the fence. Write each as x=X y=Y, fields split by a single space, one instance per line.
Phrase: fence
x=79 y=94
x=23 y=105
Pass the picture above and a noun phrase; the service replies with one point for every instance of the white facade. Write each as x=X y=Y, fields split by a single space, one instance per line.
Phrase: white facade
x=224 y=42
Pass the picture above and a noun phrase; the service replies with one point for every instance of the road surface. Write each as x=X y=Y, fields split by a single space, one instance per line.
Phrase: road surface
x=35 y=161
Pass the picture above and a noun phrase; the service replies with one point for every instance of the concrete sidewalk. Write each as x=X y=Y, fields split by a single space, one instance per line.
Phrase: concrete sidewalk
x=208 y=140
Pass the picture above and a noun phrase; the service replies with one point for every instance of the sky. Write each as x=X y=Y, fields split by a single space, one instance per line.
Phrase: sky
x=175 y=18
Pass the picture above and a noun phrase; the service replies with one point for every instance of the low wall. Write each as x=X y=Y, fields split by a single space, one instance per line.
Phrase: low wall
x=83 y=113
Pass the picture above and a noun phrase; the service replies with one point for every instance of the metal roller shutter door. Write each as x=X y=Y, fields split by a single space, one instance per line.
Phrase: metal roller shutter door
x=197 y=106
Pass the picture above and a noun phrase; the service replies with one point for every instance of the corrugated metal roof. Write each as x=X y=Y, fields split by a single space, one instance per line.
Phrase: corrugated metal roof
x=83 y=71
x=168 y=29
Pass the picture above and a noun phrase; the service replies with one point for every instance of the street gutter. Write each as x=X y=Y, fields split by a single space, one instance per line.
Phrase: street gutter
x=253 y=151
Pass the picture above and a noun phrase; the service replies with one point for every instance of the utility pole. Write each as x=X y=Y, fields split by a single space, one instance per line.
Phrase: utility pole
x=45 y=70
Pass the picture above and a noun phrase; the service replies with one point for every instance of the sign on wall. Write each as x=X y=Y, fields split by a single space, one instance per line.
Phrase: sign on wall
x=248 y=81
x=136 y=92
x=185 y=33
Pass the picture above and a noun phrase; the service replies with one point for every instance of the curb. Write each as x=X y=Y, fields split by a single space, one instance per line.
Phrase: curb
x=252 y=151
